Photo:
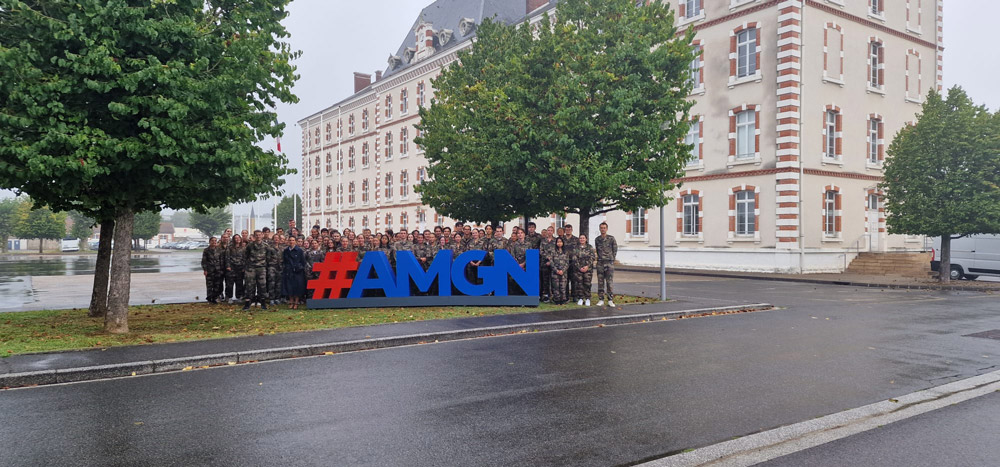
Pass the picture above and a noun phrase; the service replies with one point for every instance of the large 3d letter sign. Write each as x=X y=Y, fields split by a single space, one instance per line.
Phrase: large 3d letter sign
x=345 y=283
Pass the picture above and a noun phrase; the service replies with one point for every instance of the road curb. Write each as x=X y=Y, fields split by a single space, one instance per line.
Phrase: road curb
x=806 y=280
x=90 y=373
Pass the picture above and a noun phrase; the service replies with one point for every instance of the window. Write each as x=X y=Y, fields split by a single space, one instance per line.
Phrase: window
x=746 y=216
x=388 y=220
x=316 y=136
x=830 y=217
x=404 y=189
x=316 y=167
x=695 y=71
x=421 y=217
x=403 y=142
x=328 y=132
x=874 y=139
x=388 y=106
x=561 y=221
x=365 y=156
x=364 y=191
x=350 y=222
x=745 y=135
x=340 y=159
x=832 y=133
x=692 y=213
x=638 y=223
x=388 y=186
x=404 y=104
x=329 y=196
x=350 y=156
x=833 y=53
x=403 y=218
x=329 y=163
x=364 y=120
x=388 y=145
x=693 y=138
x=316 y=198
x=340 y=130
x=364 y=222
x=350 y=125
x=420 y=93
x=340 y=194
x=690 y=8
x=875 y=8
x=876 y=64
x=746 y=52
x=350 y=193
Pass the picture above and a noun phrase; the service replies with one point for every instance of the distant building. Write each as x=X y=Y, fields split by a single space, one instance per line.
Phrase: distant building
x=166 y=234
x=796 y=102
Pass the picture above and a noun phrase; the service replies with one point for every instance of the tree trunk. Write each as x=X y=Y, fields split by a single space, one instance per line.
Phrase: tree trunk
x=527 y=219
x=585 y=222
x=116 y=321
x=99 y=296
x=944 y=270
x=41 y=243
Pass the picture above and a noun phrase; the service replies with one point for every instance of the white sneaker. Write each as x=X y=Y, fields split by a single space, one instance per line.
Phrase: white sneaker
x=611 y=304
x=579 y=302
x=587 y=302
x=600 y=303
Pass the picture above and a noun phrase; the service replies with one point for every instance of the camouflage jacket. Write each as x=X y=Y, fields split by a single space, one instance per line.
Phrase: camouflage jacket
x=255 y=255
x=533 y=240
x=545 y=250
x=236 y=257
x=571 y=242
x=497 y=244
x=425 y=250
x=213 y=260
x=583 y=255
x=313 y=257
x=518 y=250
x=606 y=246
x=560 y=260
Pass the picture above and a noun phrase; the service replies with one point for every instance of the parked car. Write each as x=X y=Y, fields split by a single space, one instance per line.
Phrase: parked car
x=71 y=244
x=169 y=245
x=971 y=257
x=93 y=244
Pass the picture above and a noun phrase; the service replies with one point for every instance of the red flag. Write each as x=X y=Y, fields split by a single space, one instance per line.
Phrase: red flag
x=279 y=144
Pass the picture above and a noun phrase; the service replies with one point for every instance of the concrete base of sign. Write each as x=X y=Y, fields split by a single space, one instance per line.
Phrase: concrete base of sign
x=392 y=302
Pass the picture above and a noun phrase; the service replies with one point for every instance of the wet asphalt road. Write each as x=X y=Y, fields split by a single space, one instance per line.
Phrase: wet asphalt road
x=603 y=396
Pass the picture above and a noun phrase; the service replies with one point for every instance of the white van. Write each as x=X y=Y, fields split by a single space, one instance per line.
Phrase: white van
x=71 y=244
x=971 y=257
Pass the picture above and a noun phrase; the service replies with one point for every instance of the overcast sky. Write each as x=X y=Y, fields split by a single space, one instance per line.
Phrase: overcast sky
x=340 y=37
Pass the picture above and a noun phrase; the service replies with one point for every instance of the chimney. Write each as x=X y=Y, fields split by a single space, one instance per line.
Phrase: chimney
x=361 y=81
x=532 y=5
x=378 y=75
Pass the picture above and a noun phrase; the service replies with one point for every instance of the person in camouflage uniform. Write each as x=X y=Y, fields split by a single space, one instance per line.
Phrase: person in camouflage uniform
x=545 y=248
x=559 y=259
x=518 y=248
x=571 y=243
x=255 y=264
x=235 y=266
x=498 y=242
x=607 y=251
x=583 y=260
x=313 y=256
x=273 y=260
x=213 y=264
x=401 y=244
x=476 y=242
x=227 y=283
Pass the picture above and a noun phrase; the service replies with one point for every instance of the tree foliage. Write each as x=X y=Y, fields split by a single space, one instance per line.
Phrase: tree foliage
x=9 y=216
x=181 y=219
x=285 y=213
x=39 y=222
x=83 y=227
x=585 y=114
x=123 y=106
x=942 y=176
x=147 y=225
x=212 y=222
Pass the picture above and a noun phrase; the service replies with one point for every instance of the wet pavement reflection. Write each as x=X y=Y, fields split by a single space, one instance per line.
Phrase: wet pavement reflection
x=12 y=266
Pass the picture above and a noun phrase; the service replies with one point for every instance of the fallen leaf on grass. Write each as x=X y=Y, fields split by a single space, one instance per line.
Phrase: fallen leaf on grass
x=187 y=368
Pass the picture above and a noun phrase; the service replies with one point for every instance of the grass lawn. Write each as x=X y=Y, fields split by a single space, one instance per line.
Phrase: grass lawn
x=51 y=330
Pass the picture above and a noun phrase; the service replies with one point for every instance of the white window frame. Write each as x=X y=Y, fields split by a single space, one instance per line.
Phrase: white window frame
x=746 y=51
x=388 y=186
x=693 y=137
x=638 y=218
x=746 y=213
x=695 y=72
x=692 y=14
x=404 y=180
x=388 y=107
x=388 y=145
x=830 y=214
x=747 y=130
x=404 y=142
x=691 y=205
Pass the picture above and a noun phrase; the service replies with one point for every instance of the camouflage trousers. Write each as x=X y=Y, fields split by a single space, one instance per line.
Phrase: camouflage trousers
x=273 y=283
x=582 y=282
x=559 y=287
x=545 y=282
x=235 y=282
x=605 y=279
x=256 y=285
x=213 y=282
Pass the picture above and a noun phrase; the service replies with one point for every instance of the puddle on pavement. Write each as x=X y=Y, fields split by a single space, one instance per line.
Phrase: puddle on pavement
x=36 y=265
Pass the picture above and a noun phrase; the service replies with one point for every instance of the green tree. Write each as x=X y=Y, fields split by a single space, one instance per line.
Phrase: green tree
x=82 y=229
x=147 y=225
x=586 y=115
x=285 y=213
x=212 y=222
x=9 y=215
x=41 y=223
x=123 y=106
x=942 y=176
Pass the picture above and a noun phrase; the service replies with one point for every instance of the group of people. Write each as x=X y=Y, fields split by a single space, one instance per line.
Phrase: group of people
x=272 y=267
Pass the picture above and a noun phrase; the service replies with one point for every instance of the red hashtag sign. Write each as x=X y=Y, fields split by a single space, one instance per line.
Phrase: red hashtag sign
x=333 y=272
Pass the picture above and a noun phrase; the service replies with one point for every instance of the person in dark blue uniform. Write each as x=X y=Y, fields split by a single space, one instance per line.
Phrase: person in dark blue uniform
x=293 y=273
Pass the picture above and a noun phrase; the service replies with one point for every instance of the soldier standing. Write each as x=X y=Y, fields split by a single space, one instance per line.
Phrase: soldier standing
x=227 y=284
x=497 y=243
x=545 y=248
x=559 y=259
x=213 y=261
x=313 y=256
x=584 y=259
x=519 y=250
x=235 y=266
x=255 y=262
x=607 y=251
x=571 y=244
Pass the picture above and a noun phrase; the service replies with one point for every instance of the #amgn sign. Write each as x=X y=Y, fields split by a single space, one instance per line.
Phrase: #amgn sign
x=336 y=288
